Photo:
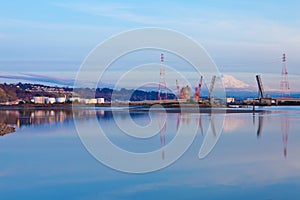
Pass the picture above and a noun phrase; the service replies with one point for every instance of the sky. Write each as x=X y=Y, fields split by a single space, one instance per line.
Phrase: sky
x=52 y=38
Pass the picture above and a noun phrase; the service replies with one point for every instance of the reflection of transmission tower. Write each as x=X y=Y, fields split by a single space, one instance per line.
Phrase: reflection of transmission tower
x=285 y=133
x=162 y=87
x=284 y=130
x=162 y=122
x=284 y=83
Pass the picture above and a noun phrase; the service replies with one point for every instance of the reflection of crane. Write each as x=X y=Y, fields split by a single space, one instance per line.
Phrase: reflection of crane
x=260 y=125
x=180 y=93
x=200 y=124
x=181 y=117
x=178 y=121
x=285 y=133
x=212 y=85
x=198 y=89
x=212 y=124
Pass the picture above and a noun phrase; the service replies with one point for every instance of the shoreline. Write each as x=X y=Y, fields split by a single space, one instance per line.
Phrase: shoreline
x=169 y=108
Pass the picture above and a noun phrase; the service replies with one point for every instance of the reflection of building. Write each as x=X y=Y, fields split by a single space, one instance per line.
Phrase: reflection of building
x=34 y=117
x=19 y=118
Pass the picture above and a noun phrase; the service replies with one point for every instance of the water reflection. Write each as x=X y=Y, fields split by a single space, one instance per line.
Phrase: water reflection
x=285 y=133
x=162 y=123
x=242 y=165
x=19 y=118
x=260 y=124
x=185 y=118
x=284 y=123
x=11 y=119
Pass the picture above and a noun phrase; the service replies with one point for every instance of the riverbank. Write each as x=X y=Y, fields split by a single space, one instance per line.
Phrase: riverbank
x=5 y=129
x=170 y=108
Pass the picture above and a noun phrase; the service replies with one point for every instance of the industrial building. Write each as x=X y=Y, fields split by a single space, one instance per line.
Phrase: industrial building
x=186 y=91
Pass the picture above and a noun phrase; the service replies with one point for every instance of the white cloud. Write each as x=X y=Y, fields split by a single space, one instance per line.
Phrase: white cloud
x=230 y=31
x=237 y=41
x=117 y=11
x=14 y=22
x=227 y=23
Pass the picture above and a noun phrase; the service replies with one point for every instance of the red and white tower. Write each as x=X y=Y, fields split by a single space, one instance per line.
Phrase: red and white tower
x=284 y=83
x=162 y=86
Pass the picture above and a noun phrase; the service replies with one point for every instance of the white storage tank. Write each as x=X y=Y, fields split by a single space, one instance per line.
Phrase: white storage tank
x=39 y=100
x=60 y=99
x=92 y=101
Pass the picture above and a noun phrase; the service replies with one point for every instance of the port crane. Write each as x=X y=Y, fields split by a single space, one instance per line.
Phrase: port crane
x=212 y=85
x=198 y=89
x=261 y=92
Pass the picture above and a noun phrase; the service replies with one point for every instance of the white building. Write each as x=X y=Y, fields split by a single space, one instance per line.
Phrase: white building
x=100 y=100
x=230 y=99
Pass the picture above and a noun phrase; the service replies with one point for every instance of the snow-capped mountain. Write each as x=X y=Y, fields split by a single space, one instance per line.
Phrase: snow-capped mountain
x=233 y=83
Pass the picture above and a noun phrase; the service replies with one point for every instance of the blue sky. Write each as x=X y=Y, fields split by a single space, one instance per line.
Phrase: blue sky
x=241 y=36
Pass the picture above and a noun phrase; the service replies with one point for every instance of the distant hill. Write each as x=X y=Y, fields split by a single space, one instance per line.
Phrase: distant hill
x=7 y=93
x=25 y=91
x=11 y=92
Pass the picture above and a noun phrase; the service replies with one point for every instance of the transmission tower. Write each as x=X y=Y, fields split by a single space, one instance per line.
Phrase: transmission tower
x=284 y=83
x=162 y=86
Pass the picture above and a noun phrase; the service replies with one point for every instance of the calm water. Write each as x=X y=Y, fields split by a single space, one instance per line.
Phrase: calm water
x=256 y=157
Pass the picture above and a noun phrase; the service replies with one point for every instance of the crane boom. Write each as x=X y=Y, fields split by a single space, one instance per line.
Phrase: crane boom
x=198 y=89
x=212 y=85
x=261 y=92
